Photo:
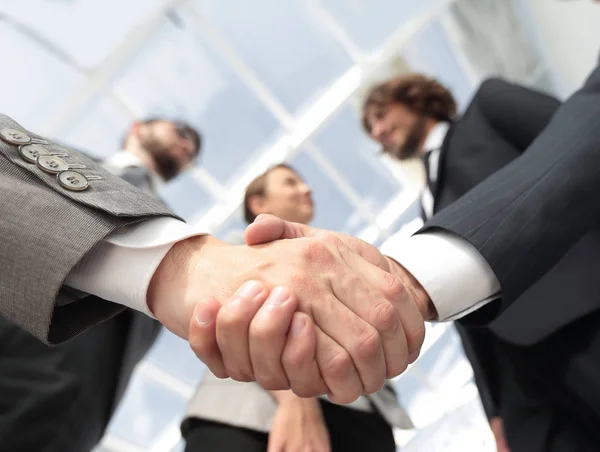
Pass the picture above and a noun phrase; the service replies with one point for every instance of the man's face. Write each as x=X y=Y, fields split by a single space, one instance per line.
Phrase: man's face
x=400 y=131
x=172 y=147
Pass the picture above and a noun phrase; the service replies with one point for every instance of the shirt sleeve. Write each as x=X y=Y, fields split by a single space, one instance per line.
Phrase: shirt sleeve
x=456 y=277
x=120 y=268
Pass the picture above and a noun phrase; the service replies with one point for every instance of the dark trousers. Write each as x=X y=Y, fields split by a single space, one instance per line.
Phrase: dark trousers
x=549 y=393
x=349 y=431
x=57 y=399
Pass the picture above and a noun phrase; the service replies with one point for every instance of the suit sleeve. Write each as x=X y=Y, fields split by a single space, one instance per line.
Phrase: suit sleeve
x=526 y=216
x=46 y=230
x=517 y=113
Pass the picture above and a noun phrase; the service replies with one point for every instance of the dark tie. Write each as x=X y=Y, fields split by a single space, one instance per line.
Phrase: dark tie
x=427 y=162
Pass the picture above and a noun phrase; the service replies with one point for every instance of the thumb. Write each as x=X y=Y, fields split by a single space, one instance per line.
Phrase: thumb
x=267 y=228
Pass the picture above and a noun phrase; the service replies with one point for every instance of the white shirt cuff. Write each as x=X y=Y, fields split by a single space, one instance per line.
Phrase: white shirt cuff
x=451 y=270
x=119 y=269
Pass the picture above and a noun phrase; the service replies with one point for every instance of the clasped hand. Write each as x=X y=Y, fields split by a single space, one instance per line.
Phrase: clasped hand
x=301 y=308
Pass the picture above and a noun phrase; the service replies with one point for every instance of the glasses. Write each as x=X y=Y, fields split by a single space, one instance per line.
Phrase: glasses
x=184 y=132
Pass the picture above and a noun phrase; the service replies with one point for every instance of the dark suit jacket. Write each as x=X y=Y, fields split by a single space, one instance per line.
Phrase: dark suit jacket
x=472 y=150
x=538 y=214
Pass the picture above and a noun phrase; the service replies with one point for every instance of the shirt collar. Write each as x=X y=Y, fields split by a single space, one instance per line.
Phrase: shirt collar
x=435 y=138
x=124 y=159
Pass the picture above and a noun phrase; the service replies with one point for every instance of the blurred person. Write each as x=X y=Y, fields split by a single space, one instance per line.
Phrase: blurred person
x=540 y=374
x=81 y=246
x=227 y=415
x=413 y=116
x=82 y=381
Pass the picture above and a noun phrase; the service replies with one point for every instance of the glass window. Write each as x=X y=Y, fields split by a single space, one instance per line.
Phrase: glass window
x=33 y=81
x=76 y=26
x=146 y=410
x=429 y=51
x=175 y=356
x=185 y=197
x=332 y=210
x=370 y=22
x=354 y=155
x=99 y=129
x=178 y=75
x=232 y=231
x=282 y=43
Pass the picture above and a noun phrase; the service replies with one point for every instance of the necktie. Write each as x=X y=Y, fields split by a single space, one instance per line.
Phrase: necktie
x=431 y=161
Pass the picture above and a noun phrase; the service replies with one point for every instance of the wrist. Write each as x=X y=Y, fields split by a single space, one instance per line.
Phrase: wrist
x=289 y=399
x=166 y=296
x=420 y=295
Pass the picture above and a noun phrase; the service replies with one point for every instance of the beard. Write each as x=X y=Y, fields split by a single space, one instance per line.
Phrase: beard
x=166 y=166
x=410 y=147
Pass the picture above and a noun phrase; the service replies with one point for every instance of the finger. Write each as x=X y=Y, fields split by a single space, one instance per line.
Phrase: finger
x=361 y=341
x=337 y=370
x=232 y=325
x=401 y=325
x=202 y=337
x=299 y=358
x=267 y=228
x=268 y=333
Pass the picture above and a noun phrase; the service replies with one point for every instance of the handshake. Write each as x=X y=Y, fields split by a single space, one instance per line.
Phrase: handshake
x=299 y=308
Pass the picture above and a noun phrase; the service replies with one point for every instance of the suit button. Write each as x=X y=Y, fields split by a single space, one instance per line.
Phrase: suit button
x=72 y=180
x=30 y=152
x=14 y=136
x=51 y=164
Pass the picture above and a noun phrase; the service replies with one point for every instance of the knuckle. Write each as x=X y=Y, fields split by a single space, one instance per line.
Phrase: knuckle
x=262 y=331
x=294 y=359
x=375 y=385
x=385 y=318
x=392 y=285
x=415 y=335
x=398 y=365
x=368 y=344
x=229 y=319
x=338 y=366
x=318 y=252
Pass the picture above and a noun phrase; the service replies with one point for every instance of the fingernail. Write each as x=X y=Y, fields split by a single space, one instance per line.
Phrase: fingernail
x=297 y=327
x=250 y=290
x=278 y=296
x=204 y=317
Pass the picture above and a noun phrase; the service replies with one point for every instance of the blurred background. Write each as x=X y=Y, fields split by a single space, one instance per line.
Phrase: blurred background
x=272 y=80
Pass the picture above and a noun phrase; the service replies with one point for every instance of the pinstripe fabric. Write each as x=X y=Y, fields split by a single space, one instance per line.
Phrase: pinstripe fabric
x=526 y=216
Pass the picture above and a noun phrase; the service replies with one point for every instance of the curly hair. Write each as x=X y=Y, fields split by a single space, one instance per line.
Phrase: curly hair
x=419 y=93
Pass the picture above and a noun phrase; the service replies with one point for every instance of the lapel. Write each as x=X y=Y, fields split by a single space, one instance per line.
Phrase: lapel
x=440 y=167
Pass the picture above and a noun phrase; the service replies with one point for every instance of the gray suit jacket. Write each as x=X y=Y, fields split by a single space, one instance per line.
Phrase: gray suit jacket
x=45 y=231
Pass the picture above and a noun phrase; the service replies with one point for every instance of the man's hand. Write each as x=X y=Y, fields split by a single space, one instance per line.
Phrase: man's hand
x=267 y=228
x=298 y=425
x=350 y=334
x=497 y=427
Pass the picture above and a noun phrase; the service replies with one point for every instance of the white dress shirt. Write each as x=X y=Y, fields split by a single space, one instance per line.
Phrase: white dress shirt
x=453 y=273
x=456 y=277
